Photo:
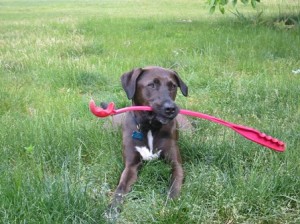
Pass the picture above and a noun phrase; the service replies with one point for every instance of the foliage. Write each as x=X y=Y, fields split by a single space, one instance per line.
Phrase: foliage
x=213 y=4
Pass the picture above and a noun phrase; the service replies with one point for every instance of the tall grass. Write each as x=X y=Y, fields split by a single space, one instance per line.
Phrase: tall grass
x=58 y=164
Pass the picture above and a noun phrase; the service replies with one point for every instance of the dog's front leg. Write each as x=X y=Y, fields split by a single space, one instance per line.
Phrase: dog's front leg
x=176 y=179
x=174 y=158
x=128 y=177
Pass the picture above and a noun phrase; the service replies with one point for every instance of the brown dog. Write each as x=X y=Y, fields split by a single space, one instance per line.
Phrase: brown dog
x=150 y=135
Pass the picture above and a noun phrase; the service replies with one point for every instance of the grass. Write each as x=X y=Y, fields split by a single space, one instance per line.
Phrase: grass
x=58 y=165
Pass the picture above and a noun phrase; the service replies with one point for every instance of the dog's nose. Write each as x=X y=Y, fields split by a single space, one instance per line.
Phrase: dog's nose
x=170 y=108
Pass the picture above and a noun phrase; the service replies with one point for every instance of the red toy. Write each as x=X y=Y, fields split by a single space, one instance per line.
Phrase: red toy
x=247 y=132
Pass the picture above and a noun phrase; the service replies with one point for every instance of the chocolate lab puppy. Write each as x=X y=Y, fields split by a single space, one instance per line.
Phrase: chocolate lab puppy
x=150 y=135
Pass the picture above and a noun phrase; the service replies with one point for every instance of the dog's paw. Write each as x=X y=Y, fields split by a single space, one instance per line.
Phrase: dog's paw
x=112 y=213
x=114 y=209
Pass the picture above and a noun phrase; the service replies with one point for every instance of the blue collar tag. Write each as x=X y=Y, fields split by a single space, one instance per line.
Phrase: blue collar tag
x=137 y=135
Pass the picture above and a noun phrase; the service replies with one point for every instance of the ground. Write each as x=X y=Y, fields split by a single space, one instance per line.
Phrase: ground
x=59 y=165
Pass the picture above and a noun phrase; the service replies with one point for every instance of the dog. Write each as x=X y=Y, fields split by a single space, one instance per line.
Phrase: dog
x=149 y=135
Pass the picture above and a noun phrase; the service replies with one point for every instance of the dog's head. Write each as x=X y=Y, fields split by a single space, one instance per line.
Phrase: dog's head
x=155 y=87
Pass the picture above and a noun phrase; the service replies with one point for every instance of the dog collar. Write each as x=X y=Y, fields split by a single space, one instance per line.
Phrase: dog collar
x=138 y=135
x=140 y=129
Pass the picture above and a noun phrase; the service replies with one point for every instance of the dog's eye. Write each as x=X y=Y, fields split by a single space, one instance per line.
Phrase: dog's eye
x=151 y=85
x=173 y=86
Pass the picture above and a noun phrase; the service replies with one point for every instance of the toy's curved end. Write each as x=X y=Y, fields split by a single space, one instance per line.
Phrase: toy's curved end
x=99 y=111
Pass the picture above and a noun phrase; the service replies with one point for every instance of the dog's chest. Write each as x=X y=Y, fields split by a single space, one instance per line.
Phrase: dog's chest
x=147 y=153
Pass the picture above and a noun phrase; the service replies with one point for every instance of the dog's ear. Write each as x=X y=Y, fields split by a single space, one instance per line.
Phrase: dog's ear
x=183 y=87
x=128 y=81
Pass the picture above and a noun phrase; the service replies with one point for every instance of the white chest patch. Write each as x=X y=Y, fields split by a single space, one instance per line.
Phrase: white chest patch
x=147 y=154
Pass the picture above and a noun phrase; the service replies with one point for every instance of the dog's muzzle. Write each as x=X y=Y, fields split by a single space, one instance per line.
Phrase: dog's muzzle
x=165 y=112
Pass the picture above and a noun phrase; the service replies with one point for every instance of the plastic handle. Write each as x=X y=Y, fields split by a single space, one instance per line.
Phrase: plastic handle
x=247 y=132
x=110 y=110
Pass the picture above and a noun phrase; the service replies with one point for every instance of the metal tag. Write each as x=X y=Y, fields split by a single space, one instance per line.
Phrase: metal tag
x=137 y=135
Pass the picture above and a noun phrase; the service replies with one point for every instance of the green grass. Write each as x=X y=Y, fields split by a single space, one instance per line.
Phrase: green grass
x=58 y=165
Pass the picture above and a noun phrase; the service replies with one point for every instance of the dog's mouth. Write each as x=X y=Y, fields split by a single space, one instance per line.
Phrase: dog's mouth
x=164 y=120
x=154 y=117
x=162 y=115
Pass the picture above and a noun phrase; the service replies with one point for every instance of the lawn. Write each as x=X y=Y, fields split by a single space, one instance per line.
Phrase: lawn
x=59 y=165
